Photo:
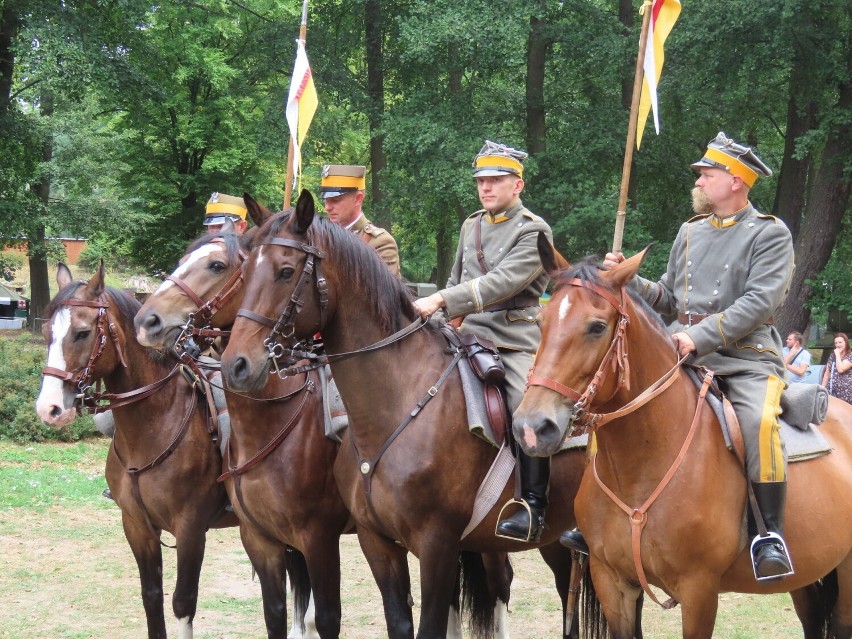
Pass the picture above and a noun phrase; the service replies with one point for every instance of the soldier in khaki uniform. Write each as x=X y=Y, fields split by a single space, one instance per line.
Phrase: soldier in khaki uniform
x=494 y=286
x=728 y=272
x=342 y=190
x=220 y=208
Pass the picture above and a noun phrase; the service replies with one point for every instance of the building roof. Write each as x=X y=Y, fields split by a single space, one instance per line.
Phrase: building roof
x=9 y=295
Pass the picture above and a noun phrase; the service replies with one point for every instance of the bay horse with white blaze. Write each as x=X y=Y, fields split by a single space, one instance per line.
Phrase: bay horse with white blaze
x=411 y=467
x=662 y=502
x=163 y=462
x=278 y=467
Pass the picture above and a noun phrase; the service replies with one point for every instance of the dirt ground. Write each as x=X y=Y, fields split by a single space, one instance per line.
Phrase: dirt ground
x=69 y=573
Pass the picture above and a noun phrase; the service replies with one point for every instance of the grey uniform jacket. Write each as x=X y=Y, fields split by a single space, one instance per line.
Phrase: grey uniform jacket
x=514 y=270
x=737 y=271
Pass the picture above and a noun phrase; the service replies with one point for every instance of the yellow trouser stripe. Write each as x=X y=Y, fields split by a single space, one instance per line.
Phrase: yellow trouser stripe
x=772 y=467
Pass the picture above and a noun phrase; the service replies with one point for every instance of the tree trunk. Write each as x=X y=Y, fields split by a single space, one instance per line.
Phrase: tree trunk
x=828 y=200
x=39 y=281
x=537 y=44
x=375 y=109
x=9 y=25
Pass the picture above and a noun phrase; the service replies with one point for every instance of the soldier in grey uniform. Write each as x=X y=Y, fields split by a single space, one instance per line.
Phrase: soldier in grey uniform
x=494 y=286
x=342 y=190
x=728 y=272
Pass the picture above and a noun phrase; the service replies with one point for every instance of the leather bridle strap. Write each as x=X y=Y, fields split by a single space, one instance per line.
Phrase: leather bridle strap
x=639 y=516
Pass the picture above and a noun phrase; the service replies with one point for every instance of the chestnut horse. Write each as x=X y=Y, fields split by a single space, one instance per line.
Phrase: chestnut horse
x=279 y=462
x=163 y=462
x=663 y=480
x=411 y=468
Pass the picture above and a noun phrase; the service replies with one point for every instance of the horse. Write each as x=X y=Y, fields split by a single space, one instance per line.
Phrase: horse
x=410 y=467
x=163 y=463
x=662 y=501
x=278 y=467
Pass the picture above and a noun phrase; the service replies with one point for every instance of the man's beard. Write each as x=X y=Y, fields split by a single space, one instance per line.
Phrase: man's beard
x=700 y=202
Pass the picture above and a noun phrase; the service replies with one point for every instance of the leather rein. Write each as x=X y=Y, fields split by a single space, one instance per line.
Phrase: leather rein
x=581 y=420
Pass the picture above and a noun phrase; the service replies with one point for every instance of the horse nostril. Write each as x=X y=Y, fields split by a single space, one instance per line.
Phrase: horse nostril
x=152 y=322
x=55 y=411
x=239 y=368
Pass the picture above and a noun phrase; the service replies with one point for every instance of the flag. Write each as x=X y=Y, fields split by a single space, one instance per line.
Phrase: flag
x=301 y=105
x=663 y=16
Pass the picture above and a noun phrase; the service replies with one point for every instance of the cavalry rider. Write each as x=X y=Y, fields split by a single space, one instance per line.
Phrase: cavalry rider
x=342 y=190
x=220 y=208
x=494 y=286
x=728 y=272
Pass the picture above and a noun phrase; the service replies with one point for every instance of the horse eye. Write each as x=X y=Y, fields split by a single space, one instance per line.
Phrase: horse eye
x=286 y=273
x=596 y=329
x=217 y=267
x=79 y=337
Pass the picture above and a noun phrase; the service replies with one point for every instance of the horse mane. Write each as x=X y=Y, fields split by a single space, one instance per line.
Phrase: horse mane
x=371 y=277
x=589 y=269
x=233 y=243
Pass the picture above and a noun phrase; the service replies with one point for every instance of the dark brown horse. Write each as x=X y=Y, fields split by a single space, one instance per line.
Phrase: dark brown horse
x=163 y=462
x=279 y=461
x=411 y=467
x=663 y=480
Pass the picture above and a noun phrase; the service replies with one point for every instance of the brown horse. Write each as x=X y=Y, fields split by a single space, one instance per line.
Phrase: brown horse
x=411 y=467
x=602 y=349
x=279 y=462
x=163 y=462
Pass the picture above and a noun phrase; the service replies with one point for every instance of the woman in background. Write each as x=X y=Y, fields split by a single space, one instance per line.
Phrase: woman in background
x=837 y=377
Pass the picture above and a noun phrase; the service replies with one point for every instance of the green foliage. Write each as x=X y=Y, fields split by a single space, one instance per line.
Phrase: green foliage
x=10 y=263
x=21 y=361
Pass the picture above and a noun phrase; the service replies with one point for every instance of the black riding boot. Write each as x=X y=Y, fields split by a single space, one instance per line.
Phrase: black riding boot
x=535 y=478
x=769 y=554
x=574 y=540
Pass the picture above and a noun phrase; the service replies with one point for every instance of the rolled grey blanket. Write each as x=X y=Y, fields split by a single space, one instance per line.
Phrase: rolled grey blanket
x=105 y=423
x=804 y=404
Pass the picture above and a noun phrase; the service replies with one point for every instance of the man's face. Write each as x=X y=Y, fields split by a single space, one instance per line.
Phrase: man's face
x=239 y=227
x=791 y=341
x=345 y=208
x=712 y=188
x=498 y=192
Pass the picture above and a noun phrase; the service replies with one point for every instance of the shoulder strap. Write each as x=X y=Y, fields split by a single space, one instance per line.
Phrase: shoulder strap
x=480 y=256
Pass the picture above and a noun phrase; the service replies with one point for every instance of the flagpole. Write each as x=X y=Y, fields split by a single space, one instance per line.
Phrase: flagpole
x=288 y=184
x=621 y=216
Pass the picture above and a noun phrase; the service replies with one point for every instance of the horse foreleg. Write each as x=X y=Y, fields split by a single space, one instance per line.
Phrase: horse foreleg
x=841 y=618
x=322 y=555
x=558 y=559
x=268 y=558
x=149 y=559
x=389 y=565
x=438 y=569
x=190 y=556
x=699 y=602
x=617 y=598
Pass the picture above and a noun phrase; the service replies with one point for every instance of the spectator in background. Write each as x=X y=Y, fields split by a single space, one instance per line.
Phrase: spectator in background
x=837 y=376
x=797 y=359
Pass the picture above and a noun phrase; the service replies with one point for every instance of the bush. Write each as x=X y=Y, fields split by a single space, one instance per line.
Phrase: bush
x=21 y=360
x=10 y=263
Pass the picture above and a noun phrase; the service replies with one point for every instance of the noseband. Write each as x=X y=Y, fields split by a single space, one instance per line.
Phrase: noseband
x=82 y=377
x=284 y=326
x=615 y=358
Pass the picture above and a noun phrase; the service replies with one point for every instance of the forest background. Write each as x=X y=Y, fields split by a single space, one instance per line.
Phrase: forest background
x=118 y=118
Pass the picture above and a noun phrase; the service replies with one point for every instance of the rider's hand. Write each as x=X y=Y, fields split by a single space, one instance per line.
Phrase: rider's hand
x=425 y=306
x=612 y=259
x=683 y=344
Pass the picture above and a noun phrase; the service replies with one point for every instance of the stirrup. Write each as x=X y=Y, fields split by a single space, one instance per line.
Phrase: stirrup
x=770 y=538
x=512 y=502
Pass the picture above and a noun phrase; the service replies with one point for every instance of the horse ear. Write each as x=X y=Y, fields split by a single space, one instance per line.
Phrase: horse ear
x=622 y=273
x=63 y=275
x=96 y=284
x=228 y=226
x=257 y=212
x=547 y=254
x=305 y=211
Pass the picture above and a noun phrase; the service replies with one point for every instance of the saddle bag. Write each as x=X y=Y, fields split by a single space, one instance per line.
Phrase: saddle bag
x=484 y=358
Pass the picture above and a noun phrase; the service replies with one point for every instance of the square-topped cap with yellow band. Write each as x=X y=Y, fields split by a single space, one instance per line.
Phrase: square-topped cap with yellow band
x=221 y=207
x=498 y=159
x=737 y=159
x=338 y=179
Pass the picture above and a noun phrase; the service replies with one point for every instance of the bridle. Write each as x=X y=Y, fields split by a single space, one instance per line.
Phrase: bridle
x=82 y=377
x=198 y=321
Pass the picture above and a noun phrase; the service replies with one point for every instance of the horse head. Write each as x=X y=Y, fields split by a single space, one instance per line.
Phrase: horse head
x=581 y=362
x=282 y=297
x=86 y=337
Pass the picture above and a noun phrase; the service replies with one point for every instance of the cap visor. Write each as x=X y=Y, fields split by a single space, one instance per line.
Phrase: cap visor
x=218 y=219
x=491 y=173
x=327 y=194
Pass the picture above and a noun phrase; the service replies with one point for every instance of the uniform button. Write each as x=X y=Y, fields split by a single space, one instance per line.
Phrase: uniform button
x=470 y=303
x=701 y=222
x=726 y=267
x=529 y=317
x=689 y=263
x=463 y=260
x=465 y=248
x=750 y=224
x=715 y=292
x=718 y=348
x=689 y=288
x=718 y=282
x=465 y=271
x=689 y=276
x=686 y=301
x=500 y=250
x=760 y=345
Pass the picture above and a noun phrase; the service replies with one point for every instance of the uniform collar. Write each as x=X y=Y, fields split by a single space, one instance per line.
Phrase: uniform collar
x=503 y=216
x=359 y=223
x=725 y=222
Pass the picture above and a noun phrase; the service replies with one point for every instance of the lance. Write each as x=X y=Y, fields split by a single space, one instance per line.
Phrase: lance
x=288 y=181
x=621 y=215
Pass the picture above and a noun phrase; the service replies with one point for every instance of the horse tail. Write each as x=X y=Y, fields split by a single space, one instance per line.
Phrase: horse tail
x=300 y=583
x=477 y=600
x=828 y=590
x=592 y=620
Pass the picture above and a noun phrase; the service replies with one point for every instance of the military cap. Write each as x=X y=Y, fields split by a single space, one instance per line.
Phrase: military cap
x=737 y=159
x=498 y=159
x=221 y=207
x=338 y=179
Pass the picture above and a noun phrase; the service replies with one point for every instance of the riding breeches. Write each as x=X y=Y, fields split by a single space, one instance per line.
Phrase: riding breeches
x=756 y=399
x=517 y=365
